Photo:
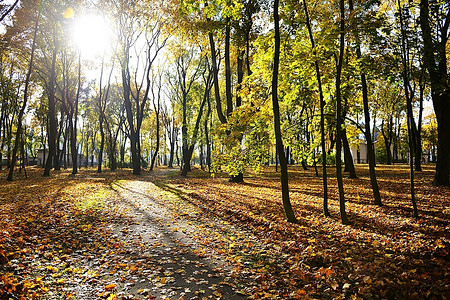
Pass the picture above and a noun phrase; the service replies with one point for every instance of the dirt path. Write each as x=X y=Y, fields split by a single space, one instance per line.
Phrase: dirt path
x=162 y=249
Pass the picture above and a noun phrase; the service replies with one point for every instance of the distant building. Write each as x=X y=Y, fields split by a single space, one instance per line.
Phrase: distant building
x=359 y=153
x=41 y=158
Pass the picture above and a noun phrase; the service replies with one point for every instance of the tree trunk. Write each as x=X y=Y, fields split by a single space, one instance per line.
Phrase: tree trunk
x=25 y=102
x=52 y=155
x=322 y=116
x=344 y=218
x=367 y=133
x=349 y=165
x=277 y=123
x=74 y=121
x=157 y=107
x=208 y=144
x=440 y=89
x=418 y=133
x=409 y=111
x=172 y=144
x=188 y=150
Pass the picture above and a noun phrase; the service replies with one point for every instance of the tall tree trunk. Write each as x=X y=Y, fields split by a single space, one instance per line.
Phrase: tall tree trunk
x=156 y=106
x=25 y=101
x=344 y=218
x=418 y=134
x=367 y=133
x=277 y=123
x=52 y=155
x=172 y=144
x=188 y=149
x=436 y=66
x=408 y=110
x=133 y=134
x=322 y=115
x=22 y=153
x=208 y=143
x=74 y=121
x=215 y=70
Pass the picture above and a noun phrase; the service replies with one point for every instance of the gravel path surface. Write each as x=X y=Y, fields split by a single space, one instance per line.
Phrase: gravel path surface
x=168 y=256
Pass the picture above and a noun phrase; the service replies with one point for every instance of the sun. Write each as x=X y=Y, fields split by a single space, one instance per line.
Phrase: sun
x=92 y=35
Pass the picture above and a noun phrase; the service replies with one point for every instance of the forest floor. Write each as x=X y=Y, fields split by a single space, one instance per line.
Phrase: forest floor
x=118 y=236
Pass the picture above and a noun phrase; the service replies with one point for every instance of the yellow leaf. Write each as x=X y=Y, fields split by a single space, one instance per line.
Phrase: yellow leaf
x=112 y=297
x=69 y=13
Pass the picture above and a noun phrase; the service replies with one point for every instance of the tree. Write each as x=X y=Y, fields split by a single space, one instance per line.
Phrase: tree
x=435 y=62
x=25 y=97
x=367 y=132
x=276 y=117
x=339 y=63
x=156 y=98
x=322 y=114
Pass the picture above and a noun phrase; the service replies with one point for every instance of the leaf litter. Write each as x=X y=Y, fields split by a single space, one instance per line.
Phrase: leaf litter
x=160 y=236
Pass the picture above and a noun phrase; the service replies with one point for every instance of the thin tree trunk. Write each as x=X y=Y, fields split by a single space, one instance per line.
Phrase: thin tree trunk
x=208 y=144
x=367 y=133
x=74 y=122
x=25 y=101
x=349 y=165
x=52 y=155
x=409 y=112
x=277 y=123
x=157 y=108
x=344 y=218
x=322 y=116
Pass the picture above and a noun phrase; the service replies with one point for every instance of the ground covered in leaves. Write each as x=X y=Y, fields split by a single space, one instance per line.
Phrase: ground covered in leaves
x=118 y=236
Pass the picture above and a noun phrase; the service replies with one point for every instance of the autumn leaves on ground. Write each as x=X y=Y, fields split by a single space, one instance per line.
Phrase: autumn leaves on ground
x=118 y=236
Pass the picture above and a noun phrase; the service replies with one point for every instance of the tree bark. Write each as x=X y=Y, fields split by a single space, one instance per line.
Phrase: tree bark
x=349 y=165
x=24 y=104
x=344 y=218
x=408 y=110
x=52 y=155
x=156 y=106
x=436 y=66
x=322 y=116
x=367 y=133
x=277 y=123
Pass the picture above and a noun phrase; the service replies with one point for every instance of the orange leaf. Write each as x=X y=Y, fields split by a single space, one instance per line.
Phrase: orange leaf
x=110 y=287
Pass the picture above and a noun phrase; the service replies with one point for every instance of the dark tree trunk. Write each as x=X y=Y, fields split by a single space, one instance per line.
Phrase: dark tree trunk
x=436 y=66
x=157 y=107
x=133 y=134
x=172 y=144
x=418 y=134
x=408 y=110
x=25 y=101
x=367 y=133
x=322 y=116
x=215 y=70
x=52 y=155
x=277 y=123
x=73 y=123
x=344 y=218
x=208 y=143
x=349 y=165
x=189 y=149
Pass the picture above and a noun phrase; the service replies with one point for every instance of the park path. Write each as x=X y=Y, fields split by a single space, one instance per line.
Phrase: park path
x=169 y=257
